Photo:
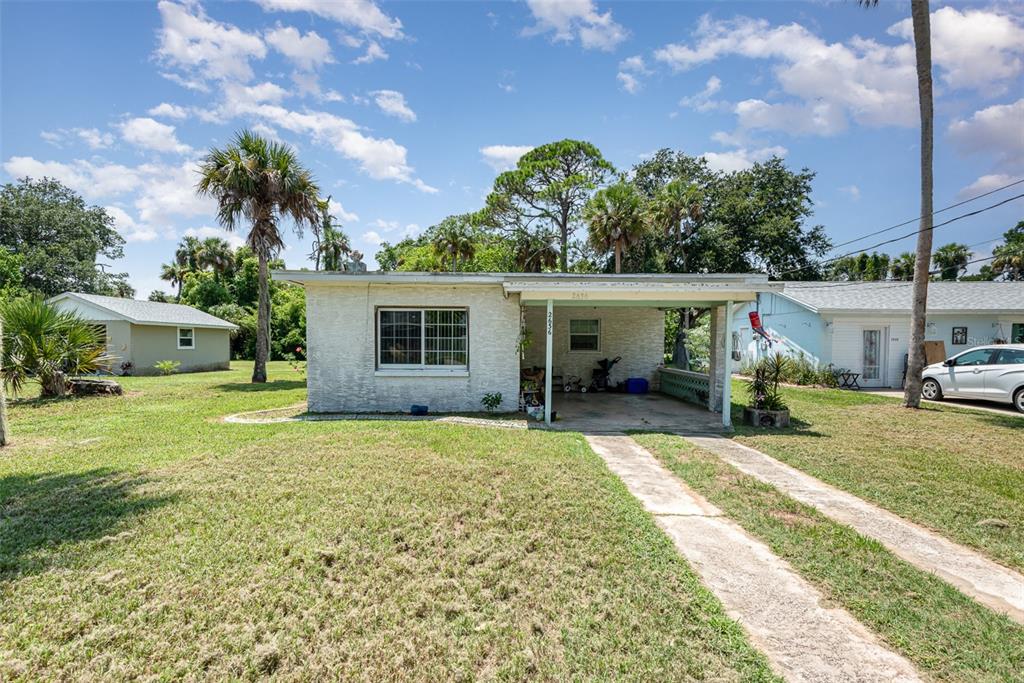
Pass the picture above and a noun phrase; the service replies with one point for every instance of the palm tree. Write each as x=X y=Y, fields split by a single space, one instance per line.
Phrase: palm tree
x=453 y=239
x=215 y=253
x=5 y=432
x=174 y=273
x=261 y=182
x=533 y=253
x=903 y=267
x=920 y=17
x=330 y=245
x=677 y=204
x=189 y=254
x=1009 y=256
x=951 y=260
x=615 y=216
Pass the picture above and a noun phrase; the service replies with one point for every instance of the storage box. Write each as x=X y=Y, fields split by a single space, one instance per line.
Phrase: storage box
x=636 y=385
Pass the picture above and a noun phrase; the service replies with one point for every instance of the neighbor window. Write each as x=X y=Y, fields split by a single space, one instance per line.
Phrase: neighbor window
x=186 y=338
x=423 y=338
x=584 y=335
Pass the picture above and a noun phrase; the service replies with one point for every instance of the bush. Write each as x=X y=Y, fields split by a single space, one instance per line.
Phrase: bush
x=800 y=370
x=764 y=384
x=167 y=367
x=47 y=345
x=491 y=401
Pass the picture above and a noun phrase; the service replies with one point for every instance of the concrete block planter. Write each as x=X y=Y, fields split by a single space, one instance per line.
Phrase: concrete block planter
x=766 y=418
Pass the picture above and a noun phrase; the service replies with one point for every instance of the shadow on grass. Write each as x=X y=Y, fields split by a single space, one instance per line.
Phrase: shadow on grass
x=276 y=385
x=40 y=513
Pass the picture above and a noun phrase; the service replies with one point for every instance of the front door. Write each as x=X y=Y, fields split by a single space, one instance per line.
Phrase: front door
x=873 y=361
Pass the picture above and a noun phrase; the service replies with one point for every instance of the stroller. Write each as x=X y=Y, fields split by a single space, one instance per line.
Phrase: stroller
x=601 y=374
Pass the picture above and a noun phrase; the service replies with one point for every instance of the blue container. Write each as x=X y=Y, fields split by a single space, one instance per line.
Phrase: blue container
x=418 y=410
x=636 y=385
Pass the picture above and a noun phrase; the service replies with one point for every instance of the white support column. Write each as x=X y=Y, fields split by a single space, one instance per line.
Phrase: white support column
x=549 y=327
x=727 y=385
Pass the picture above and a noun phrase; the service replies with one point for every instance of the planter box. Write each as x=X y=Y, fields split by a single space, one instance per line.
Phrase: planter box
x=766 y=418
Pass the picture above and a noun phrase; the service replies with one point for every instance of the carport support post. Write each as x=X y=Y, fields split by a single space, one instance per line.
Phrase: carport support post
x=549 y=326
x=727 y=384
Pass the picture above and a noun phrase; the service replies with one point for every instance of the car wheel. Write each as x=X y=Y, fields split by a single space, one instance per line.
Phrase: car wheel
x=1018 y=400
x=931 y=390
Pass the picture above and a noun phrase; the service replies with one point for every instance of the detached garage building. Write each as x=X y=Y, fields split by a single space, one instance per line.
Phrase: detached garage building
x=145 y=332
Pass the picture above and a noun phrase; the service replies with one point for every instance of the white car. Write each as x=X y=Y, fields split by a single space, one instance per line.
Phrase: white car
x=991 y=373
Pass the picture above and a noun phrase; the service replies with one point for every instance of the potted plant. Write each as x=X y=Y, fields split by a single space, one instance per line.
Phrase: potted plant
x=767 y=409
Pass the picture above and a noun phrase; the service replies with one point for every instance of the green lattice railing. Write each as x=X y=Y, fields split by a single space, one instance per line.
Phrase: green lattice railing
x=689 y=386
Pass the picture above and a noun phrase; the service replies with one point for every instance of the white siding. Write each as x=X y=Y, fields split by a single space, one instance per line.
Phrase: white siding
x=341 y=340
x=848 y=345
x=637 y=334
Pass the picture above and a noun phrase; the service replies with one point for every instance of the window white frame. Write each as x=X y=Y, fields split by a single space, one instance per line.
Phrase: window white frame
x=585 y=334
x=422 y=365
x=191 y=337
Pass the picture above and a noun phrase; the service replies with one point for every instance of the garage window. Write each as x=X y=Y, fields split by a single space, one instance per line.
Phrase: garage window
x=186 y=338
x=585 y=335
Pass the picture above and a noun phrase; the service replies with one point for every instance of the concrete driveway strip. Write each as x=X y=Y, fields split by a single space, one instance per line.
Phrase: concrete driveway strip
x=991 y=584
x=784 y=616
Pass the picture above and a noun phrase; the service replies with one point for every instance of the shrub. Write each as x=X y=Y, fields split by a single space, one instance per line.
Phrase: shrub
x=764 y=384
x=800 y=370
x=47 y=345
x=491 y=401
x=167 y=367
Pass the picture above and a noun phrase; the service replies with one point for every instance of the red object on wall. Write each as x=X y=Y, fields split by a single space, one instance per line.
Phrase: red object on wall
x=755 y=320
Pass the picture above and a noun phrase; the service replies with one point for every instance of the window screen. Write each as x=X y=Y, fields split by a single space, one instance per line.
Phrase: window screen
x=445 y=337
x=401 y=338
x=186 y=338
x=584 y=335
x=415 y=338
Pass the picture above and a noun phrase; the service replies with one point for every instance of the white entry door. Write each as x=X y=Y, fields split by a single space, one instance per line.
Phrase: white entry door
x=873 y=358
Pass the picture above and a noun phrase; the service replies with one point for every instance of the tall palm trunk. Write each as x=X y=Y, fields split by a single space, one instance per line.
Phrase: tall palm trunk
x=259 y=368
x=919 y=12
x=5 y=432
x=618 y=256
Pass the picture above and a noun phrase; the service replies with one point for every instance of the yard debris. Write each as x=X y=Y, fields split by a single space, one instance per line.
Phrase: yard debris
x=95 y=387
x=997 y=523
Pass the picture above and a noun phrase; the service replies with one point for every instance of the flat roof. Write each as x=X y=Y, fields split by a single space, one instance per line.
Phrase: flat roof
x=444 y=278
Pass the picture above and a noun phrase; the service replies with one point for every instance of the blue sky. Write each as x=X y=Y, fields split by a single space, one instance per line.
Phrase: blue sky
x=405 y=111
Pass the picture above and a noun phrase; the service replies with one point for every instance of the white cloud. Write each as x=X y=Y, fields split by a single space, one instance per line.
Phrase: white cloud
x=503 y=157
x=410 y=230
x=232 y=238
x=129 y=229
x=94 y=138
x=997 y=130
x=308 y=83
x=739 y=159
x=362 y=15
x=386 y=226
x=307 y=52
x=974 y=49
x=630 y=70
x=871 y=83
x=703 y=101
x=851 y=190
x=373 y=52
x=170 y=191
x=571 y=19
x=203 y=48
x=170 y=111
x=987 y=183
x=91 y=180
x=150 y=134
x=392 y=103
x=373 y=237
x=339 y=212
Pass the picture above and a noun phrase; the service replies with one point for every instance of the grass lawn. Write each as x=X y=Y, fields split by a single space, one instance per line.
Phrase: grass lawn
x=140 y=536
x=945 y=633
x=957 y=471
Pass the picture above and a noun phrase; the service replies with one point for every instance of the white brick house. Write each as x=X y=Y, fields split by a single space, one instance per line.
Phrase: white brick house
x=381 y=342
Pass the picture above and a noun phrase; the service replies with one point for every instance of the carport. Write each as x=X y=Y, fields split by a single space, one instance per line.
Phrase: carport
x=555 y=300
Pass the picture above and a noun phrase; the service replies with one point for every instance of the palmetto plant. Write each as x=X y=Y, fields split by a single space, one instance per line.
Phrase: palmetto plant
x=174 y=273
x=951 y=260
x=534 y=253
x=189 y=254
x=453 y=241
x=260 y=182
x=615 y=217
x=217 y=255
x=43 y=344
x=902 y=267
x=676 y=208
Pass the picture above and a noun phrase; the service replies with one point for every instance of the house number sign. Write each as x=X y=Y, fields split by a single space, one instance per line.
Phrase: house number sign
x=579 y=295
x=551 y=319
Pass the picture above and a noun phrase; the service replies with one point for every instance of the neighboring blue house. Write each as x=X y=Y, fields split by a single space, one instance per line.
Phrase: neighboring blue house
x=865 y=326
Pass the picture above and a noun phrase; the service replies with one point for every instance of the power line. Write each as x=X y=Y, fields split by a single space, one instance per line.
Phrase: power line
x=912 y=220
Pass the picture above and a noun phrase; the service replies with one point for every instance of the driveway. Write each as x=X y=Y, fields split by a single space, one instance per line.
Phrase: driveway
x=986 y=406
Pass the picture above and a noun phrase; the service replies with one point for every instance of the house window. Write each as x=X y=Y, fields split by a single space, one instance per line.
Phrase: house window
x=584 y=335
x=1017 y=333
x=423 y=338
x=186 y=338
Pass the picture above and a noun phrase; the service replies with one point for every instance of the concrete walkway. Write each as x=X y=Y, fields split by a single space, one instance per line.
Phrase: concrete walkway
x=989 y=583
x=785 y=617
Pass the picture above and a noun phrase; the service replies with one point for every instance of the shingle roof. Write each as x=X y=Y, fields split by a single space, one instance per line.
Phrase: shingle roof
x=895 y=297
x=151 y=312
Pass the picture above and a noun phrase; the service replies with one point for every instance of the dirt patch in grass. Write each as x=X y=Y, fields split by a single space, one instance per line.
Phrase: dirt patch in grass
x=945 y=633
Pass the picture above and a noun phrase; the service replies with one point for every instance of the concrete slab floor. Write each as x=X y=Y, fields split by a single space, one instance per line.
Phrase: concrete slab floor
x=784 y=616
x=991 y=584
x=604 y=412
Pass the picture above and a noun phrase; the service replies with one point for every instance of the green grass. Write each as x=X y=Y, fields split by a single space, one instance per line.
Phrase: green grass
x=945 y=633
x=957 y=471
x=143 y=537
